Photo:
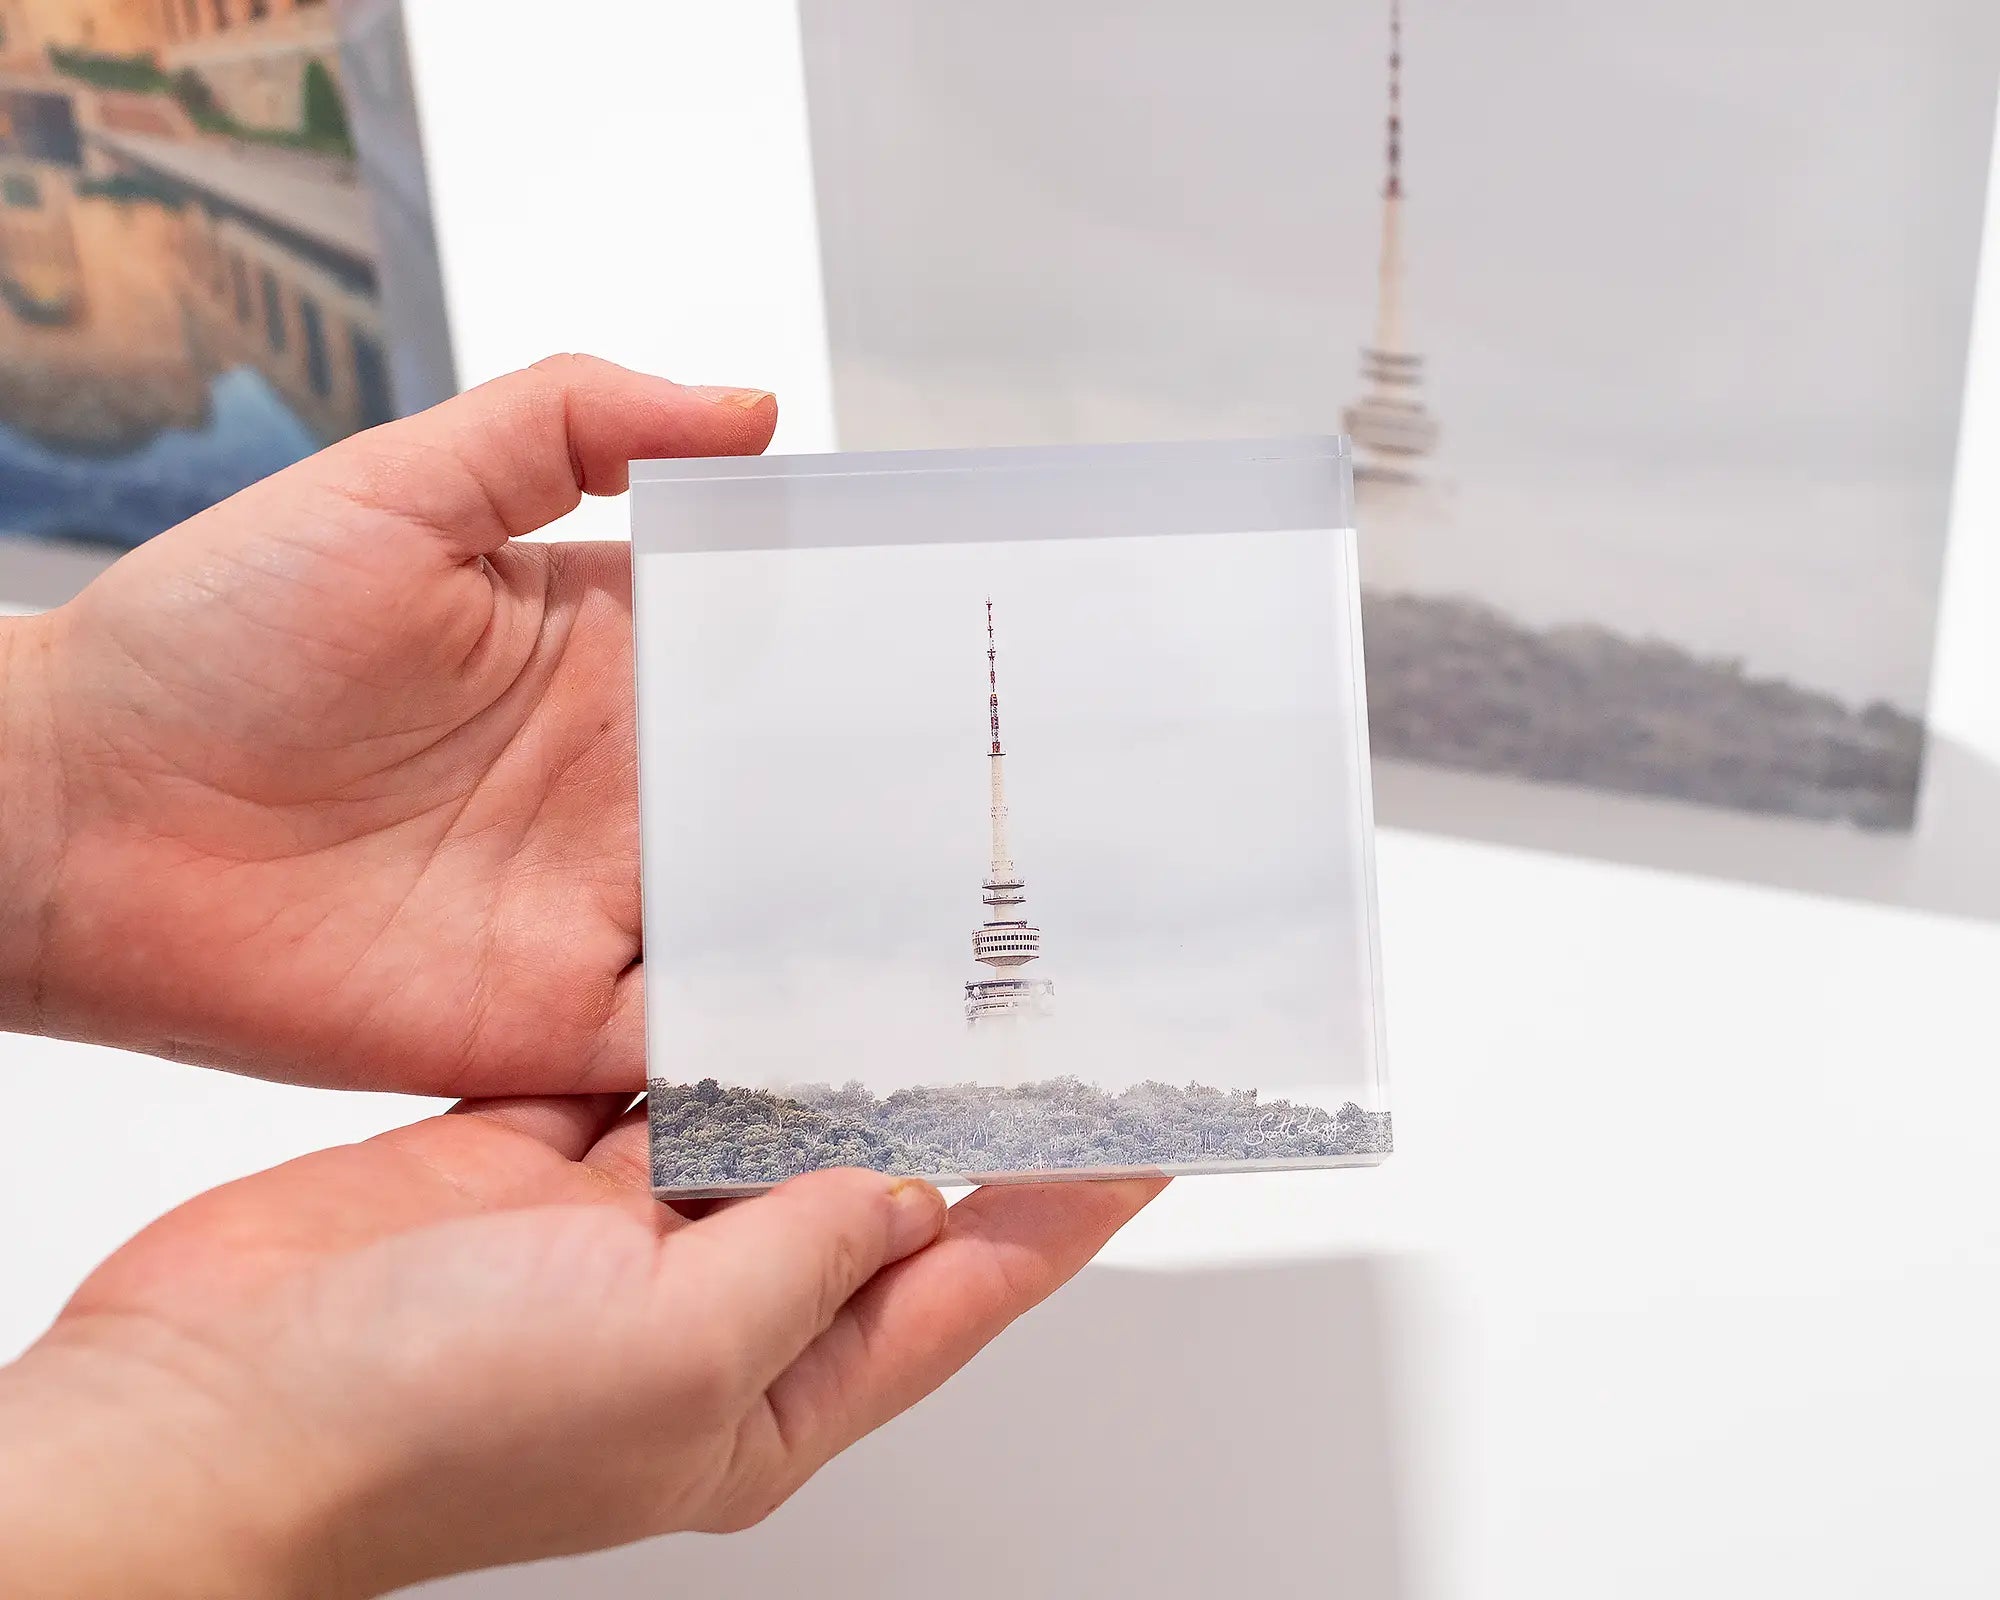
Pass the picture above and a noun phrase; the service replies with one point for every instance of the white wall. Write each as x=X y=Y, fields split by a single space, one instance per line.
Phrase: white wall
x=1685 y=1279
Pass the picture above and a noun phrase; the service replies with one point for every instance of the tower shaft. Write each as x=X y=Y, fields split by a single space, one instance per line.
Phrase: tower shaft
x=1389 y=282
x=1003 y=865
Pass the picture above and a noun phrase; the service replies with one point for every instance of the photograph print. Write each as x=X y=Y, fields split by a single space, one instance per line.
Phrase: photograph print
x=1648 y=322
x=997 y=859
x=215 y=257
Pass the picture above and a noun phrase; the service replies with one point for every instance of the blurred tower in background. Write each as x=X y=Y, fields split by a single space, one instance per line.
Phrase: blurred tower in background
x=1391 y=430
x=1005 y=940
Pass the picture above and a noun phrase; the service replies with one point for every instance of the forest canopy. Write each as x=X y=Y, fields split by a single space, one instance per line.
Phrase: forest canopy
x=706 y=1135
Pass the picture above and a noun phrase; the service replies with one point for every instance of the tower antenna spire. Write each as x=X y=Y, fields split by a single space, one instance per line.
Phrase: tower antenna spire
x=1392 y=189
x=992 y=683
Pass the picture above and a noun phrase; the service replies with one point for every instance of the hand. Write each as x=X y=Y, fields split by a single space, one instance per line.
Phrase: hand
x=477 y=1340
x=333 y=782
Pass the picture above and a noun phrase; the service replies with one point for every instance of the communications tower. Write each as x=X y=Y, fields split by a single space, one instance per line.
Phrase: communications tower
x=1005 y=941
x=1391 y=430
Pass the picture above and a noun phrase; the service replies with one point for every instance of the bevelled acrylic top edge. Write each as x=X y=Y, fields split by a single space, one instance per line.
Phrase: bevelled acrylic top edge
x=911 y=497
x=1192 y=454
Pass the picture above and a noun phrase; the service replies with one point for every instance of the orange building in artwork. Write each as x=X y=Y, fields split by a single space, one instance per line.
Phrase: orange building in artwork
x=31 y=28
x=97 y=362
x=115 y=317
x=123 y=296
x=256 y=56
x=18 y=46
x=316 y=339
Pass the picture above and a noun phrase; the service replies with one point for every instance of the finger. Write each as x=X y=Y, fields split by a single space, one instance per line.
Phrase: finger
x=498 y=1154
x=618 y=1052
x=774 y=1272
x=622 y=1153
x=568 y=1124
x=494 y=1156
x=1004 y=1250
x=512 y=1151
x=623 y=1157
x=511 y=456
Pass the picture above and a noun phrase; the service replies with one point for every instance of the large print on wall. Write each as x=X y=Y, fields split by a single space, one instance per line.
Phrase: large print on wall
x=1648 y=321
x=215 y=257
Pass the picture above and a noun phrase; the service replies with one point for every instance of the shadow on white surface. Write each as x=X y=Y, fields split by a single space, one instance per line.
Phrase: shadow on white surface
x=1232 y=1431
x=1949 y=863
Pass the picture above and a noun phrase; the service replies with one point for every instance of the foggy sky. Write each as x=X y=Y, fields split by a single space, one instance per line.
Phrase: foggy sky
x=1183 y=809
x=1694 y=279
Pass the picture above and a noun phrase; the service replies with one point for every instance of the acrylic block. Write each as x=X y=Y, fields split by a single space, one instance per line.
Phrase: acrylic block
x=1005 y=815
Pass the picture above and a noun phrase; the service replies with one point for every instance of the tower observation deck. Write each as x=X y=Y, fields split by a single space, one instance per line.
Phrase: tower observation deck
x=1006 y=941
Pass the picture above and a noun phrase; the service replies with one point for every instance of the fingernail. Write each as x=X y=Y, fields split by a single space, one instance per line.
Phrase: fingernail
x=918 y=1217
x=742 y=399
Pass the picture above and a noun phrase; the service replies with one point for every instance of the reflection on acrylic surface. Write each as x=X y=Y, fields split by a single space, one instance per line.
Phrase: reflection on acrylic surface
x=189 y=285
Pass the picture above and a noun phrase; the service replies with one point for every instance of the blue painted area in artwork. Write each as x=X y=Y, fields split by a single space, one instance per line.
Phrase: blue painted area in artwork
x=125 y=500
